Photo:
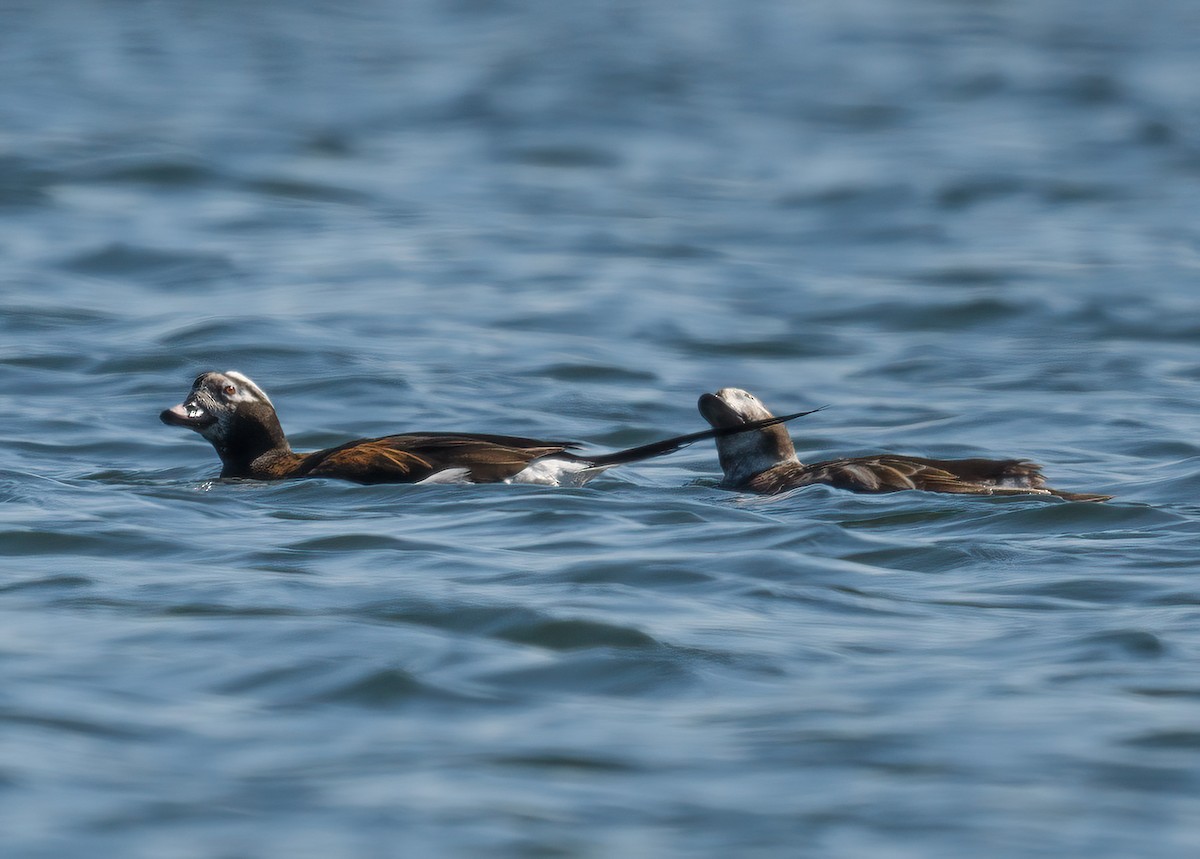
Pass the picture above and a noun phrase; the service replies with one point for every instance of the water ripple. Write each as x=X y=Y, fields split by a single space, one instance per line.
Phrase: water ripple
x=969 y=231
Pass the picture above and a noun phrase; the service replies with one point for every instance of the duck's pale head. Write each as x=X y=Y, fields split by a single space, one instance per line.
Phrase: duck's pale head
x=745 y=454
x=232 y=412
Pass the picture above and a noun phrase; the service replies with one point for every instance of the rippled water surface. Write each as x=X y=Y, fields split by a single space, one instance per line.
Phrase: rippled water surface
x=969 y=228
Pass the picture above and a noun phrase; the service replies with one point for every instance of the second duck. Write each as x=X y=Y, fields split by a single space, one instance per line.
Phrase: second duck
x=765 y=461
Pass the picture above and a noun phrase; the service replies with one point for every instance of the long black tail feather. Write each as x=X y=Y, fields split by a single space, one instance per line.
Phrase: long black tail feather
x=670 y=445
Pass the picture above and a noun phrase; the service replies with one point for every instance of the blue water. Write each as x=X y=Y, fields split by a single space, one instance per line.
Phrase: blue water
x=971 y=229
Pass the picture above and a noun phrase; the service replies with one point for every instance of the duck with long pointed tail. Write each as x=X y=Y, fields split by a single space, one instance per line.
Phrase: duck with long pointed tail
x=238 y=419
x=764 y=461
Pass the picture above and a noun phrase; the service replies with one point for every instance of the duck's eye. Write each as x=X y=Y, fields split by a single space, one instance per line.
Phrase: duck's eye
x=229 y=390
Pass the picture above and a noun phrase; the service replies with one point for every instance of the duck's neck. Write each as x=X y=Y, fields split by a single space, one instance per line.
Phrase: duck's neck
x=749 y=453
x=253 y=446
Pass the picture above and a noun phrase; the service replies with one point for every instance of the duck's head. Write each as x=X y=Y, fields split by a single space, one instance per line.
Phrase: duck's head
x=745 y=454
x=233 y=413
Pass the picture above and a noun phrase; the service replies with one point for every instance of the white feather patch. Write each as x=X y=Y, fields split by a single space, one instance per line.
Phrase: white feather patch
x=247 y=390
x=448 y=475
x=557 y=472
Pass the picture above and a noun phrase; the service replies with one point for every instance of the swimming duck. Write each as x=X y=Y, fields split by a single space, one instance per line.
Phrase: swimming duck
x=237 y=417
x=765 y=461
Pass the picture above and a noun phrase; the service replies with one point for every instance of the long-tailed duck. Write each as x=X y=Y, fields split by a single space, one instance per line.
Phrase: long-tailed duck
x=238 y=418
x=765 y=461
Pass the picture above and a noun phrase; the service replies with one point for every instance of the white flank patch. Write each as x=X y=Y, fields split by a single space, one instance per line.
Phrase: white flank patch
x=556 y=472
x=448 y=475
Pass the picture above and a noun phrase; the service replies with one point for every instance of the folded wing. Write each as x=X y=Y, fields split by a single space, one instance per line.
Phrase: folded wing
x=412 y=458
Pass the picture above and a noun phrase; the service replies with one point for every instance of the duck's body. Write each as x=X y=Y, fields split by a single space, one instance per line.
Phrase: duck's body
x=238 y=418
x=765 y=461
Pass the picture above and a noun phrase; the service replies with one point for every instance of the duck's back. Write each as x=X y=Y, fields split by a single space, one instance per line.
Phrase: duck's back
x=886 y=473
x=411 y=458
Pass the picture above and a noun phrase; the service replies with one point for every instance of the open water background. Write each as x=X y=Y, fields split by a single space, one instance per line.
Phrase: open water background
x=969 y=227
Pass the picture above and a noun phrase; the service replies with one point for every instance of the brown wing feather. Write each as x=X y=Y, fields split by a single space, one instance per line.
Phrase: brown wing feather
x=369 y=461
x=960 y=476
x=898 y=473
